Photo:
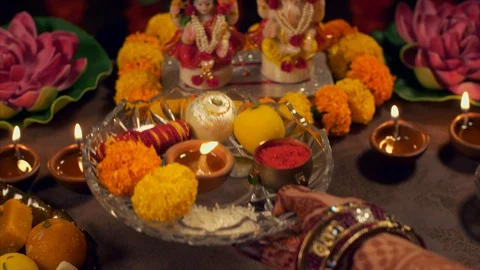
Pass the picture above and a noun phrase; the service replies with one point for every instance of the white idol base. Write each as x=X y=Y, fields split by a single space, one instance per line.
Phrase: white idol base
x=223 y=74
x=275 y=73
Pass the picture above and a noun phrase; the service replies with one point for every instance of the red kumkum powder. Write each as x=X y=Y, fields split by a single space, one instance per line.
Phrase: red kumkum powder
x=283 y=156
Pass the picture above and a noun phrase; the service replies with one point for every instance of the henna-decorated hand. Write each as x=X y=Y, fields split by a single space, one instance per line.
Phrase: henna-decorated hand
x=281 y=251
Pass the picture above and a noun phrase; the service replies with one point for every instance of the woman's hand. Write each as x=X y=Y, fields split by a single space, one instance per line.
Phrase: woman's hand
x=281 y=251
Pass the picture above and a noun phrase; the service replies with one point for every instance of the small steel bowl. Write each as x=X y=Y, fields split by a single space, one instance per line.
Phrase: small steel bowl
x=275 y=179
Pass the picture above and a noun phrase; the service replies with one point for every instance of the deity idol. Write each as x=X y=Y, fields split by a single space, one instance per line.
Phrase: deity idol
x=206 y=41
x=288 y=38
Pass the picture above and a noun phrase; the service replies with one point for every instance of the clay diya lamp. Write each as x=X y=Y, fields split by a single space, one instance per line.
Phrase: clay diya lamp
x=282 y=162
x=465 y=130
x=398 y=140
x=66 y=167
x=19 y=164
x=210 y=161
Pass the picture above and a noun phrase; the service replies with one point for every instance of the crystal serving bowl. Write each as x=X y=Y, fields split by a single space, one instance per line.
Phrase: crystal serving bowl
x=253 y=220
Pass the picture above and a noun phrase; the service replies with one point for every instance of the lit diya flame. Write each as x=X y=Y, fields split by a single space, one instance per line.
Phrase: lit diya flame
x=465 y=105
x=22 y=165
x=205 y=149
x=394 y=112
x=78 y=139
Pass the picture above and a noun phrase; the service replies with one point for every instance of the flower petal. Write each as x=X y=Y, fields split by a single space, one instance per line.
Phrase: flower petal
x=77 y=68
x=453 y=64
x=435 y=61
x=445 y=10
x=19 y=31
x=26 y=21
x=422 y=9
x=65 y=42
x=408 y=54
x=470 y=44
x=450 y=43
x=4 y=76
x=49 y=71
x=421 y=59
x=7 y=89
x=44 y=99
x=472 y=88
x=449 y=78
x=428 y=27
x=474 y=75
x=17 y=73
x=403 y=21
x=26 y=100
x=436 y=45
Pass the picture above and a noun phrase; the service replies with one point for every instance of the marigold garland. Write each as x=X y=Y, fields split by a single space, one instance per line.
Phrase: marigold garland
x=136 y=81
x=336 y=29
x=333 y=103
x=375 y=75
x=342 y=54
x=140 y=64
x=124 y=165
x=165 y=193
x=144 y=39
x=360 y=100
x=161 y=26
x=135 y=51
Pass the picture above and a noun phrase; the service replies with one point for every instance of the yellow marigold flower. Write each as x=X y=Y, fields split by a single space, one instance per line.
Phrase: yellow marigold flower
x=301 y=104
x=165 y=193
x=134 y=51
x=143 y=39
x=360 y=100
x=137 y=80
x=333 y=103
x=140 y=64
x=336 y=29
x=375 y=75
x=342 y=54
x=161 y=26
x=125 y=164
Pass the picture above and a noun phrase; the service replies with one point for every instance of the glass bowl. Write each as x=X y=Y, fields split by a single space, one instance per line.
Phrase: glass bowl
x=253 y=222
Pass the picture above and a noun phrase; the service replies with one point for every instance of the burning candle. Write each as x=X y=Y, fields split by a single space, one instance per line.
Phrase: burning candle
x=15 y=139
x=395 y=115
x=465 y=105
x=78 y=135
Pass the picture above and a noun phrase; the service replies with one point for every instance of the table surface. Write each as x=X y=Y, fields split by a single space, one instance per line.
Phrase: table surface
x=436 y=196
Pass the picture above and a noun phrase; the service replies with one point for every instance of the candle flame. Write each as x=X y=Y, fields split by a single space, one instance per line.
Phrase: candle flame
x=16 y=134
x=78 y=132
x=465 y=104
x=208 y=147
x=394 y=112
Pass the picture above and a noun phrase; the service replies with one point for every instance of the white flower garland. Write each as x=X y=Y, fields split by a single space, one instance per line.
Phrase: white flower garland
x=201 y=38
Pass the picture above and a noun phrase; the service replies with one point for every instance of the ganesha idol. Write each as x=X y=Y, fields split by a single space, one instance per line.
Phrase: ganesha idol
x=288 y=38
x=206 y=42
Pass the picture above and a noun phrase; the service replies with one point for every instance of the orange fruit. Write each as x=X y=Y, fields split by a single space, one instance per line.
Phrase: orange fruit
x=54 y=241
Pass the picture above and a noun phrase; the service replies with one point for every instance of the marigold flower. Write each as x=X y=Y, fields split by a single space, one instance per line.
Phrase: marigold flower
x=301 y=104
x=336 y=29
x=125 y=164
x=342 y=54
x=360 y=100
x=165 y=193
x=138 y=80
x=161 y=26
x=144 y=39
x=333 y=103
x=134 y=51
x=375 y=75
x=140 y=64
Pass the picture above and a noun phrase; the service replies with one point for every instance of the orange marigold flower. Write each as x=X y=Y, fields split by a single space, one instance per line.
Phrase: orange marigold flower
x=140 y=64
x=336 y=29
x=375 y=75
x=125 y=164
x=143 y=38
x=333 y=103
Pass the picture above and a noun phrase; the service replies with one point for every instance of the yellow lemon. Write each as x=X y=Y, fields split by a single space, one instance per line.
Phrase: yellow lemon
x=256 y=125
x=17 y=261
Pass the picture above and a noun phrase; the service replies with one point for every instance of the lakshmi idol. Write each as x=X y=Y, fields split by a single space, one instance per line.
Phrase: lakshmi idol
x=206 y=41
x=288 y=38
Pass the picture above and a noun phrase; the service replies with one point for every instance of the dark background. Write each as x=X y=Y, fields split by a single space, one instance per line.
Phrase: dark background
x=110 y=21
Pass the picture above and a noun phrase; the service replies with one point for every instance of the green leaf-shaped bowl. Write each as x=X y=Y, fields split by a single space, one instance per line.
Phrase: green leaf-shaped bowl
x=407 y=85
x=98 y=66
